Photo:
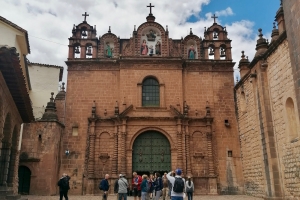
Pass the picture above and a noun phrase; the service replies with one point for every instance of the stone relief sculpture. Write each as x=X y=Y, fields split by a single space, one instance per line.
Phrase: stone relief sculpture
x=151 y=36
x=144 y=48
x=191 y=52
x=108 y=50
x=157 y=48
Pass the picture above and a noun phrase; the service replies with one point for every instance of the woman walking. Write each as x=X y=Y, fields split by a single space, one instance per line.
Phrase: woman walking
x=144 y=187
x=189 y=188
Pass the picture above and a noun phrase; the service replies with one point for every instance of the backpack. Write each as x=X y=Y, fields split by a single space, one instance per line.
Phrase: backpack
x=178 y=185
x=116 y=187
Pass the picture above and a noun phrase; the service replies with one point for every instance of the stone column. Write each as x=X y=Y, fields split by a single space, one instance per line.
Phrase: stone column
x=187 y=151
x=179 y=145
x=91 y=162
x=210 y=155
x=115 y=154
x=123 y=147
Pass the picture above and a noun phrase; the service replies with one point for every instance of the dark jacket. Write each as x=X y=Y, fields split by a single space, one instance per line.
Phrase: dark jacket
x=63 y=183
x=144 y=185
x=116 y=186
x=104 y=185
x=158 y=184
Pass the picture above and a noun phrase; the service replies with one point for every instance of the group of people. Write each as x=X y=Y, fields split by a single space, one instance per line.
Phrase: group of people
x=171 y=185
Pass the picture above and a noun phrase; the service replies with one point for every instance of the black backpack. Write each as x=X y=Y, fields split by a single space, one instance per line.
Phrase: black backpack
x=178 y=185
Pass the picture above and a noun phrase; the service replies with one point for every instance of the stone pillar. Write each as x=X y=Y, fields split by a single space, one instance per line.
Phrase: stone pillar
x=179 y=145
x=187 y=151
x=123 y=147
x=91 y=162
x=210 y=155
x=115 y=154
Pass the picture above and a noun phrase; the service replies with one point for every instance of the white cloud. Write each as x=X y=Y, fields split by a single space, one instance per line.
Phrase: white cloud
x=53 y=20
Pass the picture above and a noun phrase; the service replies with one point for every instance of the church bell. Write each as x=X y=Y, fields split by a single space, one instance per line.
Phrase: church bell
x=89 y=51
x=211 y=52
x=77 y=50
x=223 y=52
x=84 y=33
x=215 y=35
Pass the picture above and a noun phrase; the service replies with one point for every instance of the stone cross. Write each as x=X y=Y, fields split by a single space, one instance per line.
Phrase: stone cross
x=150 y=6
x=214 y=16
x=85 y=15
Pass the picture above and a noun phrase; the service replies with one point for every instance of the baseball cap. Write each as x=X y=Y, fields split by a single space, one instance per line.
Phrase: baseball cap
x=178 y=171
x=121 y=175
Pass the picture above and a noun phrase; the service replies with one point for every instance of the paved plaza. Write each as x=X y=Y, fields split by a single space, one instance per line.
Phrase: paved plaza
x=113 y=197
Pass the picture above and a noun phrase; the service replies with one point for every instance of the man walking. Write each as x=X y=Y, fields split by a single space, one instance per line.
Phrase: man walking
x=104 y=185
x=165 y=190
x=123 y=185
x=178 y=185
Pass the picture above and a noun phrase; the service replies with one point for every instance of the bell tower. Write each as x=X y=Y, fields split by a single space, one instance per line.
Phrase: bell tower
x=216 y=44
x=84 y=42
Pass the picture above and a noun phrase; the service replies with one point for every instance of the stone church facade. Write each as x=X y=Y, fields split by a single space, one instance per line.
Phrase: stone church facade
x=151 y=103
x=268 y=110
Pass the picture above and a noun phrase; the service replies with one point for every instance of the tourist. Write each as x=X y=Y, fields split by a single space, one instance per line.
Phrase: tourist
x=123 y=185
x=165 y=190
x=189 y=188
x=178 y=183
x=64 y=186
x=104 y=185
x=158 y=185
x=150 y=181
x=144 y=187
x=136 y=185
x=170 y=185
x=116 y=187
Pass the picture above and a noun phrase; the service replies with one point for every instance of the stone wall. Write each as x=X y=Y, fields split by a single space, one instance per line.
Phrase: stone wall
x=41 y=147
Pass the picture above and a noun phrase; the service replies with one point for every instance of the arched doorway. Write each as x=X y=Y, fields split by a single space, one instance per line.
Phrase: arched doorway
x=24 y=180
x=151 y=153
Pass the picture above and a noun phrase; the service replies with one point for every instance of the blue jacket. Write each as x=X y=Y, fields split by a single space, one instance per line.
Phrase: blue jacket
x=144 y=186
x=158 y=184
x=104 y=185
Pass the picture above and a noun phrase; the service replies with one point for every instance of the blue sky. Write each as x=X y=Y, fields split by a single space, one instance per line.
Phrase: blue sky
x=261 y=12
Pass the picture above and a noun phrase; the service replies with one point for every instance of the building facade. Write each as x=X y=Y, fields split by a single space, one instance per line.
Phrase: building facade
x=267 y=111
x=151 y=104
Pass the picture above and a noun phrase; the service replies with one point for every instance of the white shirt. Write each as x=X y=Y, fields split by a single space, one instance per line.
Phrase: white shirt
x=172 y=181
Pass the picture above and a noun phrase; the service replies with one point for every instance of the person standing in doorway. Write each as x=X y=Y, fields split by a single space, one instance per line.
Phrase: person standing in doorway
x=136 y=185
x=123 y=185
x=189 y=188
x=104 y=185
x=64 y=186
x=178 y=185
x=158 y=185
x=165 y=190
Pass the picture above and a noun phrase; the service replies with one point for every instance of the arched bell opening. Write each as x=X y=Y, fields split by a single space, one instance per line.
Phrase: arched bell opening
x=222 y=52
x=89 y=51
x=77 y=50
x=211 y=52
x=84 y=33
x=215 y=34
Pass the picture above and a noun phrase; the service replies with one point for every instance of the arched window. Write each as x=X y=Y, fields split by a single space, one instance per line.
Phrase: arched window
x=150 y=92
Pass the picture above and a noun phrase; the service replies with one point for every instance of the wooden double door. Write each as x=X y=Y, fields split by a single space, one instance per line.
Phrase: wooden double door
x=151 y=153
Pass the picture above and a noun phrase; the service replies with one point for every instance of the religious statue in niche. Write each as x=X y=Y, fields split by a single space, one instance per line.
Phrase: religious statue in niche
x=144 y=48
x=151 y=50
x=192 y=52
x=157 y=48
x=108 y=50
x=151 y=36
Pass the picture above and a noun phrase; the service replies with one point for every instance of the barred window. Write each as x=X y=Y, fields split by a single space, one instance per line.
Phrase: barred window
x=150 y=92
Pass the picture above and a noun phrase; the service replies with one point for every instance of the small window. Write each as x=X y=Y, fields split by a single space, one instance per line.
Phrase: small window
x=75 y=131
x=229 y=153
x=150 y=92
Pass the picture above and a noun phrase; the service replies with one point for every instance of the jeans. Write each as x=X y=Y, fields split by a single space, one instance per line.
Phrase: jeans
x=157 y=195
x=63 y=193
x=124 y=195
x=176 y=198
x=144 y=195
x=190 y=195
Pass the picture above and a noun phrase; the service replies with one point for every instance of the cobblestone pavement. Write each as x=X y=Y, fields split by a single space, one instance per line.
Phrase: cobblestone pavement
x=112 y=197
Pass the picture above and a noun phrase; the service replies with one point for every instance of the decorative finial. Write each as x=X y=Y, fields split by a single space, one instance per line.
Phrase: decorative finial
x=109 y=29
x=74 y=27
x=260 y=33
x=280 y=2
x=214 y=16
x=134 y=28
x=52 y=99
x=150 y=6
x=85 y=15
x=167 y=28
x=274 y=26
x=63 y=86
x=243 y=55
x=204 y=29
x=191 y=32
x=224 y=28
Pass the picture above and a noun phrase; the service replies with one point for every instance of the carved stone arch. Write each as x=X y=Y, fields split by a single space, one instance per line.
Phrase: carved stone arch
x=147 y=26
x=196 y=132
x=161 y=89
x=113 y=41
x=172 y=143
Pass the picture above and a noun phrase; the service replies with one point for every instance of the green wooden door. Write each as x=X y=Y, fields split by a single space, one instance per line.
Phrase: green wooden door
x=151 y=153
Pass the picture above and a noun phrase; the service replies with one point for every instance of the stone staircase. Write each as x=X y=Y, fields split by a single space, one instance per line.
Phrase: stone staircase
x=6 y=193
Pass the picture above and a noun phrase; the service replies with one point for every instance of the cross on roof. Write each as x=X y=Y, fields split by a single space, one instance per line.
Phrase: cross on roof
x=150 y=6
x=85 y=15
x=214 y=16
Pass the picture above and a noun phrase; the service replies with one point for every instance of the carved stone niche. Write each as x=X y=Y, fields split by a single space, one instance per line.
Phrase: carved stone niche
x=198 y=156
x=104 y=157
